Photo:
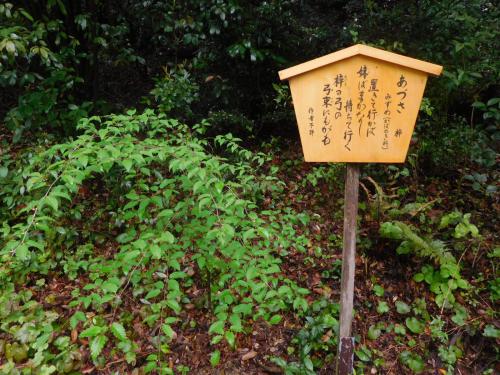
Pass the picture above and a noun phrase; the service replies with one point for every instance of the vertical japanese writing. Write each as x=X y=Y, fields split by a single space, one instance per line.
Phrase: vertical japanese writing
x=339 y=81
x=348 y=131
x=372 y=112
x=327 y=128
x=387 y=121
x=402 y=83
x=361 y=106
x=310 y=111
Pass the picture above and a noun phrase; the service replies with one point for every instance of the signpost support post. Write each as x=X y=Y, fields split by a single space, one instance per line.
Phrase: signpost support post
x=346 y=342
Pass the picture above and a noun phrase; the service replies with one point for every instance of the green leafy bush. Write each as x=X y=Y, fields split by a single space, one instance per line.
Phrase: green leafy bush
x=174 y=210
x=50 y=107
x=175 y=93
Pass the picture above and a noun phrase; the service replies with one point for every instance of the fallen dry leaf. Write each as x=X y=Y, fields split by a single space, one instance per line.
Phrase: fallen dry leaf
x=251 y=354
x=74 y=335
x=327 y=336
x=316 y=279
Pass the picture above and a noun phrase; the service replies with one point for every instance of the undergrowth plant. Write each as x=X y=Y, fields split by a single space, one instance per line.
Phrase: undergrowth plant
x=447 y=278
x=139 y=205
x=442 y=275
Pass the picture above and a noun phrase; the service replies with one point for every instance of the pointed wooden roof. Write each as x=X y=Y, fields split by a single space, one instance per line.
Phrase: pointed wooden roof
x=360 y=49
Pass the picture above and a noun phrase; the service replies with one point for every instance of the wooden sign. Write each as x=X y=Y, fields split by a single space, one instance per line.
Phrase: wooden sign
x=357 y=105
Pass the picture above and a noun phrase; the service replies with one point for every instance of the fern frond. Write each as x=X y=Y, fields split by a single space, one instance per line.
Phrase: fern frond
x=422 y=247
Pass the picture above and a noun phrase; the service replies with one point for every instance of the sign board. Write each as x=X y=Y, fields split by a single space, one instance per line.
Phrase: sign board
x=358 y=105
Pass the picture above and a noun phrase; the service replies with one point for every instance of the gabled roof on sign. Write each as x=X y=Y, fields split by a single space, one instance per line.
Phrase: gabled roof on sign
x=360 y=49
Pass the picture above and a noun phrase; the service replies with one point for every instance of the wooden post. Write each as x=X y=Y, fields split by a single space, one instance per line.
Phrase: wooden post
x=346 y=341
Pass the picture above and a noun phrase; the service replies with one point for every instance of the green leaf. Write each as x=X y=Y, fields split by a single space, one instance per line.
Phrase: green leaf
x=124 y=237
x=228 y=233
x=26 y=14
x=171 y=320
x=462 y=284
x=414 y=325
x=96 y=345
x=217 y=327
x=52 y=202
x=22 y=252
x=127 y=164
x=62 y=8
x=391 y=230
x=449 y=270
x=243 y=308
x=364 y=354
x=493 y=101
x=451 y=218
x=215 y=358
x=308 y=363
x=465 y=227
x=84 y=160
x=46 y=370
x=78 y=316
x=92 y=331
x=10 y=47
x=400 y=329
x=419 y=277
x=216 y=339
x=62 y=194
x=252 y=272
x=404 y=248
x=155 y=251
x=4 y=171
x=460 y=316
x=413 y=361
x=382 y=307
x=284 y=291
x=118 y=331
x=275 y=319
x=174 y=305
x=167 y=237
x=230 y=338
x=235 y=321
x=374 y=332
x=111 y=286
x=378 y=290
x=248 y=234
x=153 y=293
x=402 y=307
x=197 y=185
x=168 y=331
x=131 y=255
x=204 y=202
x=178 y=275
x=173 y=285
x=491 y=331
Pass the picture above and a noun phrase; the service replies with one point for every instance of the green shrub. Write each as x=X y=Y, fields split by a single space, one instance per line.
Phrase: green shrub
x=172 y=211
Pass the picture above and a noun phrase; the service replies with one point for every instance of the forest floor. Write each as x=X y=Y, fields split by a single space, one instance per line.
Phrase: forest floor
x=382 y=278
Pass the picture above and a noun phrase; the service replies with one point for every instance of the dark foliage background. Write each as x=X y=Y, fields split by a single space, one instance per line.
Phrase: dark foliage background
x=101 y=56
